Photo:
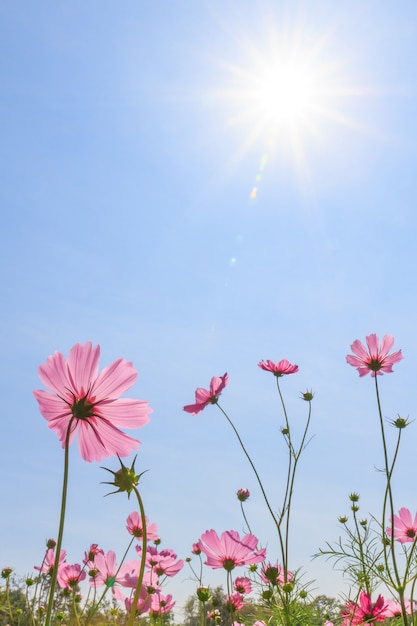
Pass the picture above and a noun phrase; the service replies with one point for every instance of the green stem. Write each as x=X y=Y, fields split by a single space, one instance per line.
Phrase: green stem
x=257 y=477
x=61 y=528
x=245 y=518
x=132 y=614
x=399 y=587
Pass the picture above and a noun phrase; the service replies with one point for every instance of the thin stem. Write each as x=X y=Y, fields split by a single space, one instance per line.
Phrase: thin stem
x=257 y=477
x=245 y=518
x=61 y=528
x=142 y=562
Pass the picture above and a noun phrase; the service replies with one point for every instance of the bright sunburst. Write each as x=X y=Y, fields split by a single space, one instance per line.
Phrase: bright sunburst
x=287 y=92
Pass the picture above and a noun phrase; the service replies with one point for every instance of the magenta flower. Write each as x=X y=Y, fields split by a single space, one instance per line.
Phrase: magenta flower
x=203 y=397
x=235 y=602
x=365 y=612
x=275 y=575
x=49 y=561
x=375 y=359
x=90 y=402
x=278 y=369
x=163 y=563
x=229 y=550
x=70 y=575
x=134 y=527
x=242 y=585
x=89 y=556
x=394 y=608
x=405 y=528
x=161 y=604
x=109 y=573
x=143 y=605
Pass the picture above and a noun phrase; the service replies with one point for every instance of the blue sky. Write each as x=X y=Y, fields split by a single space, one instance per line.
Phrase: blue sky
x=133 y=135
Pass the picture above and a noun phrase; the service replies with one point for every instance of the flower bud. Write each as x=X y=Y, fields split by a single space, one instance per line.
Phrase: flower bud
x=203 y=594
x=343 y=519
x=307 y=396
x=50 y=544
x=242 y=494
x=354 y=497
x=6 y=571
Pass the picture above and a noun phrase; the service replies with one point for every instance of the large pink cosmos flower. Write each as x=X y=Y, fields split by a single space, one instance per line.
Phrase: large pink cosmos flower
x=405 y=528
x=203 y=397
x=90 y=402
x=280 y=368
x=365 y=612
x=375 y=359
x=229 y=550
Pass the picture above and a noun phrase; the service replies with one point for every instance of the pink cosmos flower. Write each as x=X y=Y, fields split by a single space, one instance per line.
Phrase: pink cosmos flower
x=161 y=604
x=242 y=585
x=134 y=527
x=109 y=573
x=274 y=575
x=405 y=528
x=235 y=602
x=90 y=402
x=229 y=550
x=89 y=556
x=394 y=608
x=261 y=623
x=143 y=605
x=365 y=612
x=49 y=561
x=280 y=368
x=375 y=359
x=163 y=563
x=70 y=575
x=196 y=549
x=203 y=397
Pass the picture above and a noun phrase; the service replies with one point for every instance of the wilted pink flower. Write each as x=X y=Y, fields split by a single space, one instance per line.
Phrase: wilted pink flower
x=203 y=397
x=365 y=612
x=196 y=549
x=90 y=401
x=235 y=602
x=70 y=575
x=280 y=368
x=376 y=359
x=229 y=550
x=274 y=575
x=161 y=604
x=242 y=494
x=49 y=561
x=242 y=585
x=405 y=528
x=134 y=527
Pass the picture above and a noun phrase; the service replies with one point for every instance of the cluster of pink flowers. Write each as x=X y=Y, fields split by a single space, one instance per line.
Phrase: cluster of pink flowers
x=104 y=571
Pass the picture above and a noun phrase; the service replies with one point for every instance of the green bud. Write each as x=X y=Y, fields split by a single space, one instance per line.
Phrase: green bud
x=400 y=422
x=285 y=431
x=363 y=522
x=288 y=587
x=6 y=571
x=125 y=479
x=354 y=497
x=203 y=594
x=343 y=519
x=267 y=594
x=303 y=594
x=307 y=396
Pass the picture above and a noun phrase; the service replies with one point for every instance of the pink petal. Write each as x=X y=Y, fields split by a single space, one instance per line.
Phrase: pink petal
x=126 y=412
x=83 y=366
x=114 y=380
x=98 y=439
x=54 y=374
x=373 y=341
x=359 y=349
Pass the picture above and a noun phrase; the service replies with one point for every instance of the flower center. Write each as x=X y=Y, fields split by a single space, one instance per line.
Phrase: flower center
x=228 y=564
x=410 y=532
x=374 y=365
x=82 y=409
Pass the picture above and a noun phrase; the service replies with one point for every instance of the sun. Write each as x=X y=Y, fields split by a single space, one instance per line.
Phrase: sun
x=287 y=90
